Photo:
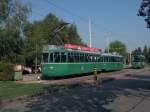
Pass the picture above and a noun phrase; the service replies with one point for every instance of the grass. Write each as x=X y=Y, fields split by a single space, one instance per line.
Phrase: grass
x=9 y=90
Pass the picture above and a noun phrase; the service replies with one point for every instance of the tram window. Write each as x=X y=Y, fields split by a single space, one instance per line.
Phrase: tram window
x=70 y=57
x=118 y=59
x=84 y=58
x=87 y=58
x=96 y=59
x=76 y=57
x=45 y=57
x=100 y=59
x=57 y=57
x=63 y=57
x=51 y=57
x=92 y=58
x=113 y=59
x=81 y=58
x=121 y=60
x=105 y=59
x=110 y=59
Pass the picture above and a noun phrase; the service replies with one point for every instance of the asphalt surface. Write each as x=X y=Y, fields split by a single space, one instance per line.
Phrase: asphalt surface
x=129 y=94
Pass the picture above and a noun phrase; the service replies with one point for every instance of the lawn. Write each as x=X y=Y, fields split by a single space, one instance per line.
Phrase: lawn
x=9 y=90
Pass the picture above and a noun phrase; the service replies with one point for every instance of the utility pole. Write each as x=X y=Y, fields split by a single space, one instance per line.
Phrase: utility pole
x=108 y=44
x=130 y=55
x=90 y=33
x=35 y=57
x=107 y=35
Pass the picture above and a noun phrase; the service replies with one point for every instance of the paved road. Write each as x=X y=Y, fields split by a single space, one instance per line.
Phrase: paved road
x=130 y=94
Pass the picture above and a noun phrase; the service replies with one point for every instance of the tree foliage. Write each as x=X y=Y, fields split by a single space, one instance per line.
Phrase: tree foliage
x=3 y=10
x=145 y=11
x=119 y=47
x=50 y=30
x=145 y=52
x=22 y=40
x=11 y=30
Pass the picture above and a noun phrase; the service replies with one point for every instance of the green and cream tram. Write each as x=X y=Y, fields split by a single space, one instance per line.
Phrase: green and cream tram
x=138 y=61
x=74 y=60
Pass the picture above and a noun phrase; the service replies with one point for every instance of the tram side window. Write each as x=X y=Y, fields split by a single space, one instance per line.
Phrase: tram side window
x=100 y=59
x=45 y=57
x=57 y=57
x=110 y=59
x=88 y=58
x=93 y=58
x=76 y=56
x=105 y=59
x=113 y=59
x=70 y=57
x=63 y=57
x=51 y=57
x=81 y=58
x=121 y=59
x=118 y=59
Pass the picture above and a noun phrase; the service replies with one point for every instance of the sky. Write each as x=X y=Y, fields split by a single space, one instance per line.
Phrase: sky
x=113 y=19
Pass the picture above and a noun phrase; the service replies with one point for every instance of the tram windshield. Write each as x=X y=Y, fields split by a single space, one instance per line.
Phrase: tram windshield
x=45 y=57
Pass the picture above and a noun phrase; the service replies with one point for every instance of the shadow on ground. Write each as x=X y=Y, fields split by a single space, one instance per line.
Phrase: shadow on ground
x=87 y=98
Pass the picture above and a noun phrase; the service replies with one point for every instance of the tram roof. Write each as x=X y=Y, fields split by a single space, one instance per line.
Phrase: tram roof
x=47 y=48
x=110 y=54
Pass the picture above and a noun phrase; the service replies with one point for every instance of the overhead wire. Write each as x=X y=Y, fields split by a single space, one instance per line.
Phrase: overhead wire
x=83 y=19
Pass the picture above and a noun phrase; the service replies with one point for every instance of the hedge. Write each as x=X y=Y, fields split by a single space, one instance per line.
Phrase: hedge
x=6 y=71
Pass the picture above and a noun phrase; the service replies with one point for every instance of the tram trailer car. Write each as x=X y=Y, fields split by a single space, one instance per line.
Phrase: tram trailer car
x=64 y=61
x=138 y=62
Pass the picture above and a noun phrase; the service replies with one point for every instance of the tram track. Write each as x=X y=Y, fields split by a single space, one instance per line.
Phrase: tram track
x=81 y=79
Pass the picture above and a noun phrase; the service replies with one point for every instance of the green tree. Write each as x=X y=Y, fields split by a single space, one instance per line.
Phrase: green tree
x=11 y=32
x=145 y=11
x=119 y=47
x=47 y=31
x=137 y=51
x=149 y=55
x=145 y=52
x=3 y=10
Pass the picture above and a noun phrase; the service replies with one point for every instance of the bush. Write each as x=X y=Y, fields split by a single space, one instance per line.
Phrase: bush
x=6 y=71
